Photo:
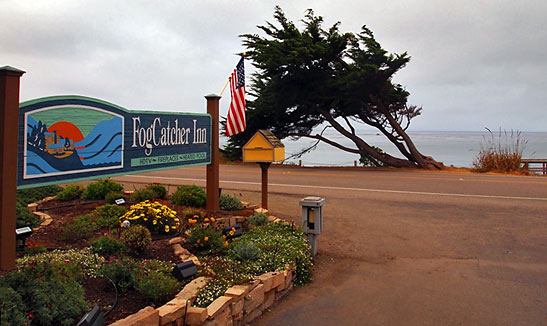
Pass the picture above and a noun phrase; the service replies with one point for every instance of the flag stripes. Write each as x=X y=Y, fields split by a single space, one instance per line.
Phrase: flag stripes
x=235 y=123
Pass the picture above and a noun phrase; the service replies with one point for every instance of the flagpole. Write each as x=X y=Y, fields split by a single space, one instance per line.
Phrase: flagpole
x=223 y=88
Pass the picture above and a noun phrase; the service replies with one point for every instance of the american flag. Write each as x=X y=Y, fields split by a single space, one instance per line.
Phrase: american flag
x=235 y=123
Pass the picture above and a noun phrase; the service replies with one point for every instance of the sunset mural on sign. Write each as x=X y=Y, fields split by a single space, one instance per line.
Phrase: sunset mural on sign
x=85 y=139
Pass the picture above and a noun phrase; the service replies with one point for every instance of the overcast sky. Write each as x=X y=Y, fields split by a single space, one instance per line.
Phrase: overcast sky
x=474 y=64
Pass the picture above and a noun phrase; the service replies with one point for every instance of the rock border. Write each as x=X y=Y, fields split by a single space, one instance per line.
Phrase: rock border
x=239 y=305
x=45 y=218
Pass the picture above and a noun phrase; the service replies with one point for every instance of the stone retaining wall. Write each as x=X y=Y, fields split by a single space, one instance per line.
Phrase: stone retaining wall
x=239 y=305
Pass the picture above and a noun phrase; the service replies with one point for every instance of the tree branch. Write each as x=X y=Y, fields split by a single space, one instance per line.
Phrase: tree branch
x=328 y=141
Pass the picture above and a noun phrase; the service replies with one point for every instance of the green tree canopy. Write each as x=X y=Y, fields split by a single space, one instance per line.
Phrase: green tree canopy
x=308 y=77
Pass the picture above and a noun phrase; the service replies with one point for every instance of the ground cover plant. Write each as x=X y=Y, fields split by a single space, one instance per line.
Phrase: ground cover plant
x=265 y=248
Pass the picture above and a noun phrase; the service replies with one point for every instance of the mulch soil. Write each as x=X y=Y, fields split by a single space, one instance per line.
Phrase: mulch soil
x=100 y=291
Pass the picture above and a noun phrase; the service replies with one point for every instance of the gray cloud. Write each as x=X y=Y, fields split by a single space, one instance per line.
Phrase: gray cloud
x=474 y=63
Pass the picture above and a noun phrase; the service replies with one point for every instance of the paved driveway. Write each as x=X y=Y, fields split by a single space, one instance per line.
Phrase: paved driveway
x=409 y=248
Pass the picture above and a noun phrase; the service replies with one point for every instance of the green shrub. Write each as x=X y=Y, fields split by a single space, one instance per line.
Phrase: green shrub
x=245 y=250
x=99 y=189
x=157 y=287
x=143 y=194
x=12 y=309
x=70 y=192
x=258 y=219
x=82 y=227
x=206 y=239
x=111 y=197
x=52 y=295
x=107 y=246
x=109 y=215
x=23 y=217
x=159 y=190
x=127 y=272
x=230 y=203
x=122 y=271
x=32 y=195
x=193 y=196
x=137 y=238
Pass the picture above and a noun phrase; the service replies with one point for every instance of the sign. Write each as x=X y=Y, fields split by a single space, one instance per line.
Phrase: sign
x=71 y=138
x=120 y=201
x=23 y=230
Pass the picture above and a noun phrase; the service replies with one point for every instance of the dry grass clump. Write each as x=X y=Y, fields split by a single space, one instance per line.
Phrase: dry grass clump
x=501 y=153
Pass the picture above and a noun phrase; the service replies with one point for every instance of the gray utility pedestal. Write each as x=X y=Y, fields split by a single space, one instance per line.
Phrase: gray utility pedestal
x=312 y=219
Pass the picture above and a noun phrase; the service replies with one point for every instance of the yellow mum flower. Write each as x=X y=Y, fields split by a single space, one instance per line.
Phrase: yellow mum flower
x=154 y=222
x=212 y=219
x=167 y=228
x=206 y=220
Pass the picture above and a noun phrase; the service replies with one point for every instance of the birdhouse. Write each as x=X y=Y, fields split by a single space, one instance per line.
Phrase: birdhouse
x=264 y=146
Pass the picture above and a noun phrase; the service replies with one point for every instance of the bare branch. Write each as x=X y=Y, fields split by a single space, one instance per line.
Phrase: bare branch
x=349 y=125
x=328 y=141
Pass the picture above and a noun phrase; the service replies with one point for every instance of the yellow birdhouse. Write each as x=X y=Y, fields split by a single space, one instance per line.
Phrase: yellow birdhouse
x=264 y=146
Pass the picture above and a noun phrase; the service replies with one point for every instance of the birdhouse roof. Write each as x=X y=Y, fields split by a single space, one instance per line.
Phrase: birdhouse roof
x=271 y=138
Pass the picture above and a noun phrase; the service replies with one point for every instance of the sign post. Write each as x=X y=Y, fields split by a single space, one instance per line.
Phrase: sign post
x=212 y=168
x=9 y=107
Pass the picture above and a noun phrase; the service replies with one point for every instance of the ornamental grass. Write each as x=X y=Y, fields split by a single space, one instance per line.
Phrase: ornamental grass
x=501 y=153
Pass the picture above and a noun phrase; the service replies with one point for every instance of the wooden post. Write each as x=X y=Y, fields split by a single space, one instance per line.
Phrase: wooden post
x=9 y=125
x=212 y=168
x=264 y=167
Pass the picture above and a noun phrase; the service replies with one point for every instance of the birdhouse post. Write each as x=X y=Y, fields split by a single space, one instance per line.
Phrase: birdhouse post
x=264 y=148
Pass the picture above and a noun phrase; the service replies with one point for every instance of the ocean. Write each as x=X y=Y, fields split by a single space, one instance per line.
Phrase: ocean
x=456 y=148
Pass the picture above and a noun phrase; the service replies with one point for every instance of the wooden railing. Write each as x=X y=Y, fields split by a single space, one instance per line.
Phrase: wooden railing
x=527 y=162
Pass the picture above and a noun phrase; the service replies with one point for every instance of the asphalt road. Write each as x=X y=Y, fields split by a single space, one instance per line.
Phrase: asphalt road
x=406 y=247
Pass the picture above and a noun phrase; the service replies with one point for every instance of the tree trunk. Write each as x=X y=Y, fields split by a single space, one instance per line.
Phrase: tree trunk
x=365 y=148
x=425 y=162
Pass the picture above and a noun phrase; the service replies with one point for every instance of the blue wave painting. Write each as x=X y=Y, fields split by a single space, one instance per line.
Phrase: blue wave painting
x=50 y=153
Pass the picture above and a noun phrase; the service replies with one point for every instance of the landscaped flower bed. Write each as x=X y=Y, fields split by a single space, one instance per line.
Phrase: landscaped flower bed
x=139 y=258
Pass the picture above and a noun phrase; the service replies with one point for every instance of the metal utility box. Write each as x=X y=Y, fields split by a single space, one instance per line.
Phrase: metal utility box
x=312 y=214
x=264 y=146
